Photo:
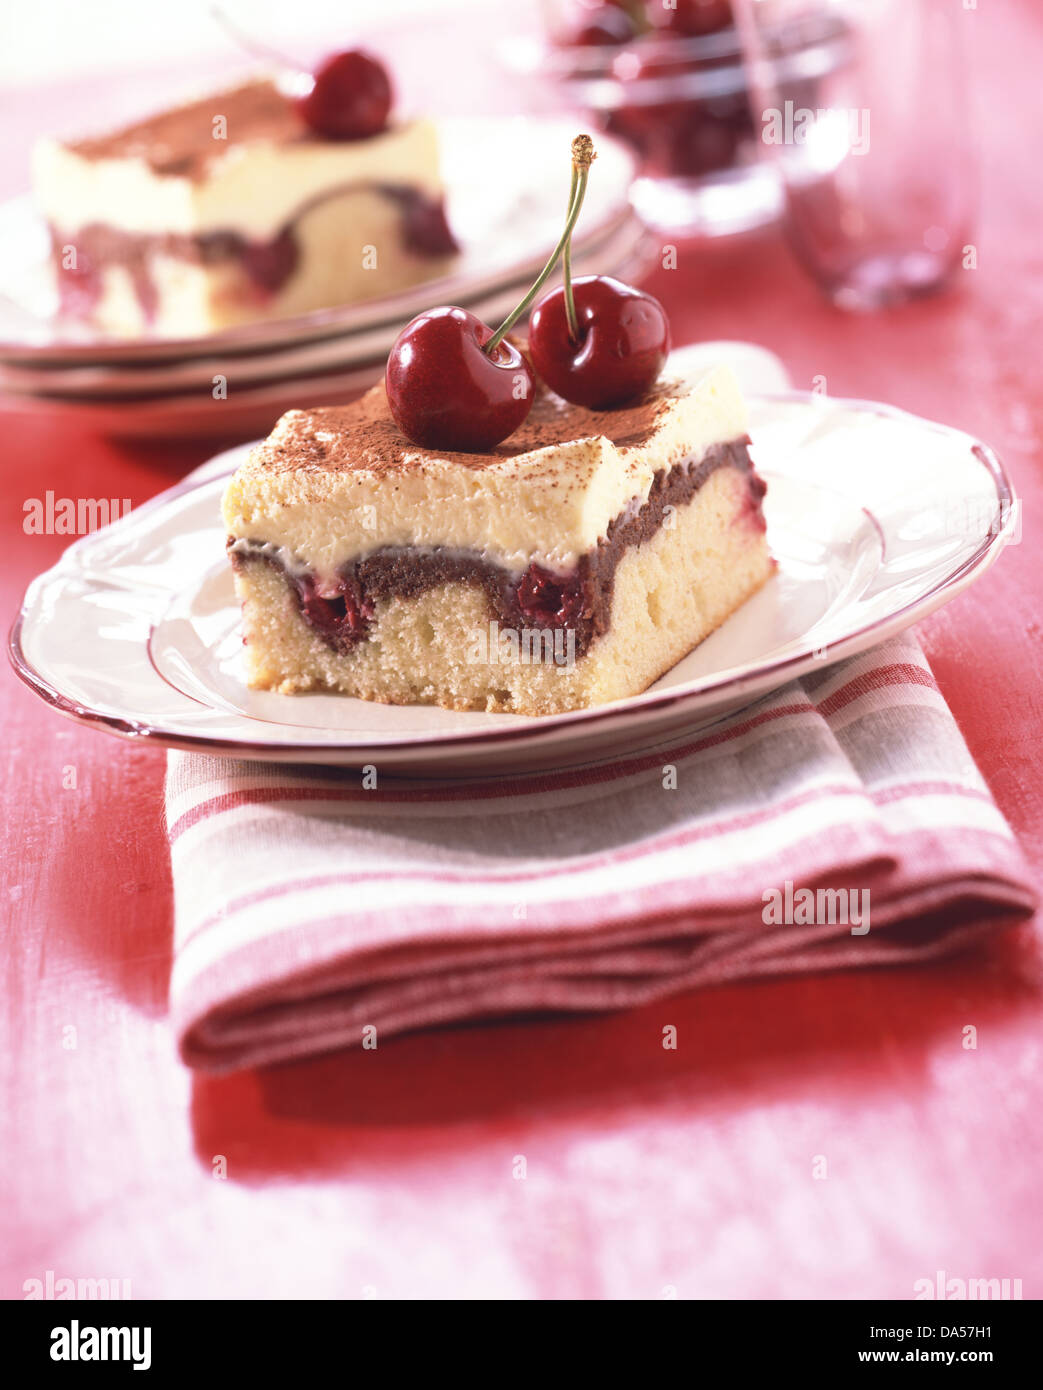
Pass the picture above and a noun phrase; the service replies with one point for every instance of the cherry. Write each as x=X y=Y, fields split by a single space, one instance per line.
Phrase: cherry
x=270 y=264
x=547 y=600
x=425 y=228
x=621 y=342
x=674 y=132
x=692 y=18
x=350 y=97
x=654 y=88
x=341 y=616
x=446 y=392
x=701 y=144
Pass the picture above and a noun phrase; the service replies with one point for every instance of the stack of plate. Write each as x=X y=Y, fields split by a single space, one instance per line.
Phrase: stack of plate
x=507 y=186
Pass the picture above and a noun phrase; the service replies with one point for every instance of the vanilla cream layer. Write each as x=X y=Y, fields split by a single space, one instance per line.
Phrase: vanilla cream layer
x=548 y=505
x=253 y=188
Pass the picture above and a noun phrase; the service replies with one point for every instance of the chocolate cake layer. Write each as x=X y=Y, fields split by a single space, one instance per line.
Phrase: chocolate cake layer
x=580 y=601
x=268 y=264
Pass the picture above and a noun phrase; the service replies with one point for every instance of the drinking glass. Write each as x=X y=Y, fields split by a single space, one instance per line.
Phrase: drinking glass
x=877 y=172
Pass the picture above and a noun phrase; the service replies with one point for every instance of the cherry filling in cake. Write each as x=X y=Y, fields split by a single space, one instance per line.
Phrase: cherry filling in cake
x=341 y=611
x=267 y=263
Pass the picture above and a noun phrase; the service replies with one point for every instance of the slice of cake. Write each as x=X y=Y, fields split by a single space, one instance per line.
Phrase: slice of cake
x=572 y=565
x=229 y=209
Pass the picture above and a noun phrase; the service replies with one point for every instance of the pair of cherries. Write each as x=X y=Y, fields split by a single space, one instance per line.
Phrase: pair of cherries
x=453 y=383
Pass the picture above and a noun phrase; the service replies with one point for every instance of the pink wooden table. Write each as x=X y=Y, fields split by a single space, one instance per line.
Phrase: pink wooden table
x=392 y=1171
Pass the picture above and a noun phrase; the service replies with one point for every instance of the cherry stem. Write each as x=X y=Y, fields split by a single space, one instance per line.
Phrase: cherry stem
x=583 y=155
x=566 y=271
x=250 y=45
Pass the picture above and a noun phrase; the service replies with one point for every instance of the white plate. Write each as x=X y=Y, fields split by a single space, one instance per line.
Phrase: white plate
x=506 y=187
x=876 y=518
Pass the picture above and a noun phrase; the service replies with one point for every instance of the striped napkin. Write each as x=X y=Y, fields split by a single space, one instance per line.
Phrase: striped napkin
x=840 y=822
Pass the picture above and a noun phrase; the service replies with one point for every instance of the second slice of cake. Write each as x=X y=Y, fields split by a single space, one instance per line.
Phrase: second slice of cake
x=228 y=209
x=573 y=565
